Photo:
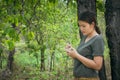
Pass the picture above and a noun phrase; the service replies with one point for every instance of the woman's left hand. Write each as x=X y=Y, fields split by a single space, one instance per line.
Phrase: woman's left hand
x=71 y=51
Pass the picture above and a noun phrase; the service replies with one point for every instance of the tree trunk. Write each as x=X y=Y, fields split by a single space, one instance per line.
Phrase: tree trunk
x=0 y=60
x=84 y=5
x=10 y=60
x=52 y=62
x=42 y=59
x=112 y=16
x=90 y=5
x=1 y=51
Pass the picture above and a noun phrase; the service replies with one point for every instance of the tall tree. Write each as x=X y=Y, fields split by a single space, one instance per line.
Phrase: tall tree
x=90 y=5
x=11 y=31
x=112 y=16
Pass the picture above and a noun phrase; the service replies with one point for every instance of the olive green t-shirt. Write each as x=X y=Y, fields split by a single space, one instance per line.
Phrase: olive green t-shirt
x=89 y=49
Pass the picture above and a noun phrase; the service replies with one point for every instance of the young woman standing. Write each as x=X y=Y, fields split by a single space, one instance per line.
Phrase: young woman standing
x=88 y=57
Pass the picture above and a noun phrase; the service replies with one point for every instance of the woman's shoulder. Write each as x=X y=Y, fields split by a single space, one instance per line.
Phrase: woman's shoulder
x=99 y=39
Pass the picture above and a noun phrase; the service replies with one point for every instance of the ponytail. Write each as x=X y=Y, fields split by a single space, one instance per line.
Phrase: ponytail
x=97 y=29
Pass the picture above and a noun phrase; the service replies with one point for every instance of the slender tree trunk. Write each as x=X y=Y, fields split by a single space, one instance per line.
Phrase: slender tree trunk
x=0 y=60
x=90 y=5
x=112 y=16
x=1 y=50
x=10 y=60
x=52 y=62
x=42 y=60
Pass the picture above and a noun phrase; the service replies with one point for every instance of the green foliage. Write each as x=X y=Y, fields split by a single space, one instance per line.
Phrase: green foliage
x=30 y=26
x=10 y=44
x=100 y=5
x=25 y=59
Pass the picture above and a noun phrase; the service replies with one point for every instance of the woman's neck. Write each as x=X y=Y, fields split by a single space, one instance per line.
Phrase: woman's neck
x=92 y=34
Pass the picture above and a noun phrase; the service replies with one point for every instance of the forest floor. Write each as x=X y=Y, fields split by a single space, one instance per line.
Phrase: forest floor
x=30 y=73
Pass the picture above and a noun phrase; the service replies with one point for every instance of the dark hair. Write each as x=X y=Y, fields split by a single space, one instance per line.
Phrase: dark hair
x=89 y=17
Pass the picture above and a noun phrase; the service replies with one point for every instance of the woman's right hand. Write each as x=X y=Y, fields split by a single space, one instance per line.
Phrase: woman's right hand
x=71 y=51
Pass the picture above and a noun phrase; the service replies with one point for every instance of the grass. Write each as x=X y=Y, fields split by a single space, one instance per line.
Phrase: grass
x=26 y=67
x=25 y=59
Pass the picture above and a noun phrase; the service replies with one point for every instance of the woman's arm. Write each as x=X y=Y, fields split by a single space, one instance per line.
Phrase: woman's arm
x=96 y=63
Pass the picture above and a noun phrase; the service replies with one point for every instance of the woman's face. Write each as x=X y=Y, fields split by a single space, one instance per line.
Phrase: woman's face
x=85 y=27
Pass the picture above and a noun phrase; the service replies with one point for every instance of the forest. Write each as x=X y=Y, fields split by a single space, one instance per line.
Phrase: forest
x=33 y=35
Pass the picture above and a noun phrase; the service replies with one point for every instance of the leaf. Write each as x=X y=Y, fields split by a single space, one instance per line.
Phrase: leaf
x=52 y=1
x=1 y=50
x=30 y=35
x=28 y=16
x=100 y=5
x=16 y=21
x=10 y=44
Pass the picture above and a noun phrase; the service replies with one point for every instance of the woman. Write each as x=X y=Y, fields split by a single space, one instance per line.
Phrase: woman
x=88 y=57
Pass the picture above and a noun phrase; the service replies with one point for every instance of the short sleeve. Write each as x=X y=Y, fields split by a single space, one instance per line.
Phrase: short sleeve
x=98 y=46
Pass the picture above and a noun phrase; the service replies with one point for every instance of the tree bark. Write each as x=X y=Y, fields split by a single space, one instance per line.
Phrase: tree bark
x=1 y=51
x=0 y=60
x=84 y=5
x=42 y=59
x=90 y=5
x=10 y=60
x=112 y=16
x=52 y=61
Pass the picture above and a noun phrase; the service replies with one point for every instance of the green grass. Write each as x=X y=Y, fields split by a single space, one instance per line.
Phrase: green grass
x=25 y=59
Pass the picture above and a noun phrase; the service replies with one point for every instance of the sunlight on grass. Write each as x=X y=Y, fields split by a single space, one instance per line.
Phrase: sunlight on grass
x=25 y=59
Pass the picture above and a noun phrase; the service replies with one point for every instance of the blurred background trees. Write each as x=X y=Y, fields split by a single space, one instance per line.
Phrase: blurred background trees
x=33 y=34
